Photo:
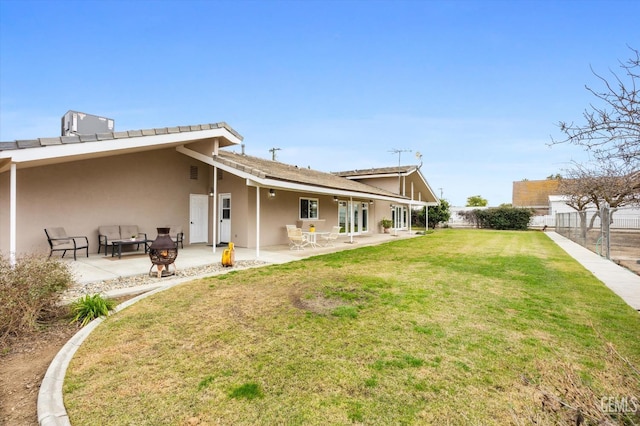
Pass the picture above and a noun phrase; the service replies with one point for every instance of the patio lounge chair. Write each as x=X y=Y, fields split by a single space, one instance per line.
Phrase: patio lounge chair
x=60 y=241
x=297 y=240
x=176 y=234
x=289 y=228
x=328 y=239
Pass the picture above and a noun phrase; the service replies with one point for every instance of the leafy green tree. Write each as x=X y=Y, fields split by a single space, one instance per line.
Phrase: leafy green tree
x=438 y=214
x=476 y=201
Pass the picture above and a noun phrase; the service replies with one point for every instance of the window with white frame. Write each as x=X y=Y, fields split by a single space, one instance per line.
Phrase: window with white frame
x=308 y=208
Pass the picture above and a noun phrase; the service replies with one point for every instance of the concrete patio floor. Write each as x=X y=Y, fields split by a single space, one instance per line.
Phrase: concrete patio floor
x=98 y=267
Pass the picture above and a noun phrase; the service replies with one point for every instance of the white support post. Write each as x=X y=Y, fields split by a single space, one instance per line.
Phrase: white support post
x=351 y=214
x=13 y=224
x=214 y=213
x=426 y=219
x=257 y=222
x=411 y=208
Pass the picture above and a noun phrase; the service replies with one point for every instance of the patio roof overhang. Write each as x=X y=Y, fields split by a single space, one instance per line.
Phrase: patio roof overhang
x=45 y=151
x=292 y=186
x=257 y=179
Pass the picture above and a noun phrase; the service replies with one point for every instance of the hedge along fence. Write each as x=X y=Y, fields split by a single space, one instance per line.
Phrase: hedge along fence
x=513 y=218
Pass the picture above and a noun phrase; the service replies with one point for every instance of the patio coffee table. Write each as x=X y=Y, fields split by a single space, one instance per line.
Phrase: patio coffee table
x=120 y=243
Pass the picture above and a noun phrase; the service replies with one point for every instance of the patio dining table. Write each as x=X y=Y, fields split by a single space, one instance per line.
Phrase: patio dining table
x=312 y=237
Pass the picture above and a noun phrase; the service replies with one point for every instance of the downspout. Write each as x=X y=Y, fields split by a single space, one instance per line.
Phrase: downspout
x=257 y=222
x=12 y=215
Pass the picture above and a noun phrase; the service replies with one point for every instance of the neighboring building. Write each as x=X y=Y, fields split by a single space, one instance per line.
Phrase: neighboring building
x=535 y=194
x=183 y=176
x=558 y=204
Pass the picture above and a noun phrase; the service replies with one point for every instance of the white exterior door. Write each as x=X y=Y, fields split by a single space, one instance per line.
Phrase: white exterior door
x=360 y=212
x=399 y=217
x=198 y=218
x=224 y=216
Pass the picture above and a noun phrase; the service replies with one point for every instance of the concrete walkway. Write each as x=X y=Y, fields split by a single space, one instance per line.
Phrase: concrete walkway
x=620 y=280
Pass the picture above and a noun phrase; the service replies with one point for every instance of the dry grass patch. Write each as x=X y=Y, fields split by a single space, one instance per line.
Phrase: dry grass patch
x=455 y=327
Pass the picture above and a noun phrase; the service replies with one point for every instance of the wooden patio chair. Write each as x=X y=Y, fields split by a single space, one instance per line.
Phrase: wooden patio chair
x=60 y=241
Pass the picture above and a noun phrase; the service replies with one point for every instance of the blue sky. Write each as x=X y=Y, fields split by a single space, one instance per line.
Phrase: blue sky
x=477 y=87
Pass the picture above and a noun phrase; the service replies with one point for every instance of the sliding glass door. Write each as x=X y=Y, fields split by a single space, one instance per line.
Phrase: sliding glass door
x=353 y=212
x=399 y=217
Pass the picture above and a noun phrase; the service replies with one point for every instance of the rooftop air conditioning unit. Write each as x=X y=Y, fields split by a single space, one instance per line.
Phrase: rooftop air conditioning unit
x=79 y=123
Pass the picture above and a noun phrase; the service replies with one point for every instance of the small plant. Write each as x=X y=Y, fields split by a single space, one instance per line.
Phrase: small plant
x=88 y=308
x=386 y=223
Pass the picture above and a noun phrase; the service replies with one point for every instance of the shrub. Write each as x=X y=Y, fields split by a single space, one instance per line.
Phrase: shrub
x=88 y=308
x=438 y=214
x=29 y=292
x=499 y=218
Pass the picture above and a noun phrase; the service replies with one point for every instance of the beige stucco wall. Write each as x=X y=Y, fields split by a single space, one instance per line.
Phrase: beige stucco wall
x=152 y=189
x=149 y=189
x=275 y=213
x=420 y=191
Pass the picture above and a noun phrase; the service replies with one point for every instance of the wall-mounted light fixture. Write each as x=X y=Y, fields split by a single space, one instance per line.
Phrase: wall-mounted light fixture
x=392 y=207
x=272 y=192
x=211 y=192
x=335 y=199
x=370 y=201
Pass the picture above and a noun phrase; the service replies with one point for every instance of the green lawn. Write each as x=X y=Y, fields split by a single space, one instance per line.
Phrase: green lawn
x=457 y=327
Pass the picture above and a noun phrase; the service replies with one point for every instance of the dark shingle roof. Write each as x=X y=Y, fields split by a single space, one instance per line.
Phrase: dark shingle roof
x=268 y=169
x=82 y=138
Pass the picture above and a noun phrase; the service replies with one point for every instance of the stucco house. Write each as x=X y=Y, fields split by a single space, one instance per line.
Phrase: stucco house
x=186 y=176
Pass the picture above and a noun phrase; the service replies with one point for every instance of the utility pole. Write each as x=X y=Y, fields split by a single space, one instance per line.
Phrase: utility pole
x=399 y=152
x=273 y=153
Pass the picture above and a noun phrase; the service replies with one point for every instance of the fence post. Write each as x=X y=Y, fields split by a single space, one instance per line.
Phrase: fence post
x=605 y=224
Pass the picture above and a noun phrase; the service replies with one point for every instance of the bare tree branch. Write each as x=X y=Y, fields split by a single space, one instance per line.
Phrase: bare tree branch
x=605 y=181
x=611 y=132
